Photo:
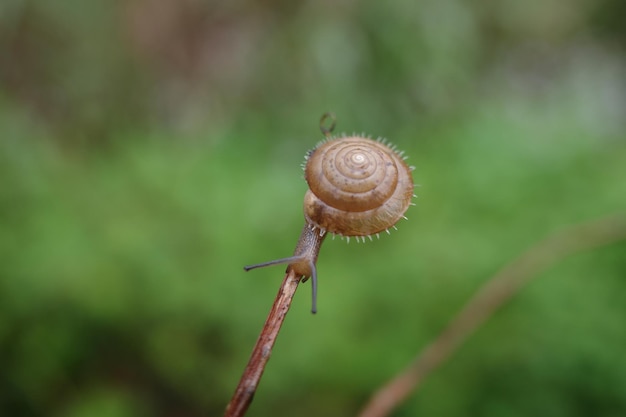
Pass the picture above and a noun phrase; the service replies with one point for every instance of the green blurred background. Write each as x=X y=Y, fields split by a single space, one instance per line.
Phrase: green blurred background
x=151 y=148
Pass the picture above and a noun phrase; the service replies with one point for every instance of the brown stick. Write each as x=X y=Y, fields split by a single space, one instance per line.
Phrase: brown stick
x=488 y=299
x=249 y=381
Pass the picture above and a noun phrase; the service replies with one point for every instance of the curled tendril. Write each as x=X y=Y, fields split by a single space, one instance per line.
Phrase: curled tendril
x=326 y=131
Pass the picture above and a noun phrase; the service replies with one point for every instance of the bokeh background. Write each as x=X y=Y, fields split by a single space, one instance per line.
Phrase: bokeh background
x=151 y=148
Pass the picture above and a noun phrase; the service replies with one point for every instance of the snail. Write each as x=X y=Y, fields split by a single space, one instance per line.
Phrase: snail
x=358 y=187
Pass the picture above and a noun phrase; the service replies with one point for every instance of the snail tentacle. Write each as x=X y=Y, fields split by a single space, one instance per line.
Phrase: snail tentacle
x=288 y=260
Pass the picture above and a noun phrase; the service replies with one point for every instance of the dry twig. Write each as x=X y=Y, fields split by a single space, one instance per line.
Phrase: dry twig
x=249 y=381
x=497 y=291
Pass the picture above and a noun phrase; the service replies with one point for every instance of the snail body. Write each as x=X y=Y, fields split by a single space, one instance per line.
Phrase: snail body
x=358 y=187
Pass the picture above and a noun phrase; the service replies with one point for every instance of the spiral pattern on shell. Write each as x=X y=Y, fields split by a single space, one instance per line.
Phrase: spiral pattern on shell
x=357 y=187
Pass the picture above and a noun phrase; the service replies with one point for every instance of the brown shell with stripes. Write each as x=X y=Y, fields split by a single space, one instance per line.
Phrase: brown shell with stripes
x=357 y=186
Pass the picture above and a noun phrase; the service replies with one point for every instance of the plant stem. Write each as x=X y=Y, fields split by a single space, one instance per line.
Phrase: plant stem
x=494 y=293
x=249 y=381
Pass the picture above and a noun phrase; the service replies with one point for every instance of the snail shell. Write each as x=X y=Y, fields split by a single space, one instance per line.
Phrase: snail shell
x=357 y=187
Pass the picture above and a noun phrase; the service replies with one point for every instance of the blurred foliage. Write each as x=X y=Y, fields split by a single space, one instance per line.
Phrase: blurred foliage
x=151 y=148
